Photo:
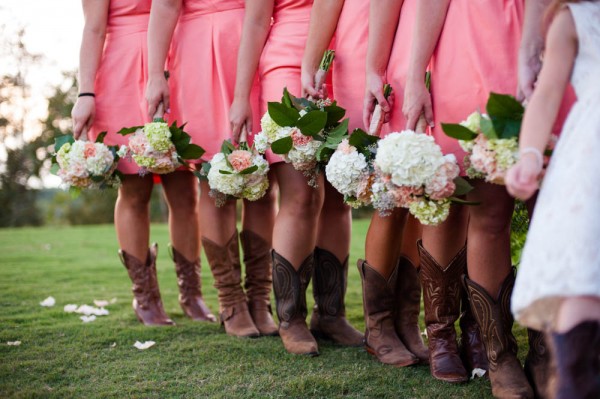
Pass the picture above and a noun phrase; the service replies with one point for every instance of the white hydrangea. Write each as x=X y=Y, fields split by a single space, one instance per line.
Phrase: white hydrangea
x=261 y=142
x=506 y=152
x=303 y=157
x=81 y=161
x=346 y=168
x=158 y=135
x=230 y=184
x=430 y=213
x=473 y=122
x=269 y=127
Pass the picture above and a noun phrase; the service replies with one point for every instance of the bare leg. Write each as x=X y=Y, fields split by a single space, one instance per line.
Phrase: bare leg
x=383 y=242
x=218 y=224
x=413 y=230
x=335 y=224
x=259 y=216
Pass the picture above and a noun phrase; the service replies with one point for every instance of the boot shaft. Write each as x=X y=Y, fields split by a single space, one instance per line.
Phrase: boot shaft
x=258 y=266
x=289 y=286
x=330 y=279
x=188 y=273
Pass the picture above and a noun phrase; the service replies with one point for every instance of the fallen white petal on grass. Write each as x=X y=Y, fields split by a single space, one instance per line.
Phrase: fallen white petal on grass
x=101 y=303
x=70 y=308
x=477 y=373
x=88 y=319
x=13 y=343
x=145 y=345
x=91 y=310
x=424 y=333
x=47 y=247
x=48 y=302
x=114 y=344
x=114 y=300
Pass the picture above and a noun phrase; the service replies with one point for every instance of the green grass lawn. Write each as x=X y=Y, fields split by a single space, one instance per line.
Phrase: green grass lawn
x=62 y=357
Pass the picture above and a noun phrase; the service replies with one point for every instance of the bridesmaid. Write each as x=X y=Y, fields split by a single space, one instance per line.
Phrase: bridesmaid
x=273 y=39
x=113 y=65
x=202 y=65
x=465 y=68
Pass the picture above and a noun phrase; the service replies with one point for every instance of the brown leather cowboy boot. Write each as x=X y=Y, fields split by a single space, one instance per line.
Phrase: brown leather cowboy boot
x=441 y=297
x=408 y=301
x=147 y=303
x=257 y=259
x=577 y=362
x=381 y=339
x=224 y=262
x=190 y=287
x=472 y=350
x=328 y=320
x=537 y=364
x=289 y=286
x=495 y=321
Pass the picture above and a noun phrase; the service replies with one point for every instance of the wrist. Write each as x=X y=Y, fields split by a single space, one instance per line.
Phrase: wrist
x=534 y=155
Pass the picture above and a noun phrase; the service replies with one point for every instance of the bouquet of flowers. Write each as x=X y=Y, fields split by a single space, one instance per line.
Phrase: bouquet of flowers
x=237 y=172
x=85 y=164
x=159 y=148
x=412 y=172
x=490 y=140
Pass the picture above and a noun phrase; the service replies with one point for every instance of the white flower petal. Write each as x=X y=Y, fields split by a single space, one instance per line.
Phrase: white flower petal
x=114 y=300
x=48 y=302
x=114 y=344
x=70 y=308
x=13 y=343
x=100 y=303
x=145 y=345
x=88 y=319
x=477 y=373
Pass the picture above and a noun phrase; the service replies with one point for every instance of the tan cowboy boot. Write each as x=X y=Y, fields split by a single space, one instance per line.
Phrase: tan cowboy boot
x=328 y=320
x=190 y=288
x=408 y=300
x=147 y=303
x=289 y=286
x=441 y=297
x=381 y=339
x=224 y=263
x=257 y=259
x=495 y=321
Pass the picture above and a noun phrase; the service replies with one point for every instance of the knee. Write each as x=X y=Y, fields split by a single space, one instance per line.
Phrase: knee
x=335 y=206
x=306 y=203
x=183 y=200
x=134 y=195
x=494 y=222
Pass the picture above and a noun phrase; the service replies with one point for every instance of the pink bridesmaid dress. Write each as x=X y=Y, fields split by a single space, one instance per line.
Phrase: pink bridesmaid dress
x=281 y=59
x=476 y=54
x=121 y=78
x=202 y=65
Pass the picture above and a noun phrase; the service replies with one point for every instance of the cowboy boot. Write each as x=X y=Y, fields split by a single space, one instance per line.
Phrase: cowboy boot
x=495 y=322
x=257 y=258
x=289 y=286
x=576 y=361
x=408 y=301
x=328 y=320
x=147 y=303
x=472 y=350
x=381 y=339
x=190 y=287
x=224 y=263
x=441 y=297
x=537 y=364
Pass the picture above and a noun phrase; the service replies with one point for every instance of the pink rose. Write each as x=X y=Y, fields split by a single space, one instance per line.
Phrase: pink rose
x=89 y=150
x=405 y=195
x=299 y=139
x=240 y=160
x=138 y=144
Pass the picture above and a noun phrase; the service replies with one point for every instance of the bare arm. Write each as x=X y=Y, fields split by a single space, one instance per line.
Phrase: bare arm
x=95 y=13
x=383 y=22
x=532 y=45
x=431 y=15
x=163 y=18
x=257 y=22
x=324 y=17
x=522 y=179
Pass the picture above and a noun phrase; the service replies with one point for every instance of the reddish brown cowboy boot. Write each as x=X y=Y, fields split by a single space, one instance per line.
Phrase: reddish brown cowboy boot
x=538 y=364
x=258 y=262
x=495 y=322
x=441 y=297
x=190 y=288
x=224 y=263
x=328 y=320
x=381 y=339
x=472 y=350
x=147 y=303
x=289 y=286
x=408 y=301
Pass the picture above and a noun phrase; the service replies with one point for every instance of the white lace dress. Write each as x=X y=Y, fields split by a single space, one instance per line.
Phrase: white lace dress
x=561 y=257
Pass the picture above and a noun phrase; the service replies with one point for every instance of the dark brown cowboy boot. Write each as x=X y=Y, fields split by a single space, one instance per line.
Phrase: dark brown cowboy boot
x=576 y=362
x=224 y=263
x=538 y=364
x=147 y=303
x=441 y=297
x=495 y=322
x=408 y=301
x=257 y=259
x=472 y=350
x=289 y=286
x=381 y=339
x=328 y=320
x=190 y=288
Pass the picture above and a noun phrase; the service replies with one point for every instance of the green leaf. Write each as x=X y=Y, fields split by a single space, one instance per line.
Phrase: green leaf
x=249 y=170
x=340 y=130
x=200 y=174
x=100 y=138
x=287 y=98
x=225 y=172
x=312 y=123
x=192 y=151
x=62 y=140
x=324 y=153
x=487 y=128
x=227 y=148
x=54 y=169
x=282 y=146
x=463 y=202
x=458 y=132
x=361 y=139
x=129 y=130
x=506 y=128
x=462 y=186
x=282 y=115
x=334 y=114
x=301 y=103
x=181 y=142
x=504 y=106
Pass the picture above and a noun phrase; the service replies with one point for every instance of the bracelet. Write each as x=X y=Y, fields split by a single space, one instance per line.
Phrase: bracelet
x=86 y=95
x=537 y=153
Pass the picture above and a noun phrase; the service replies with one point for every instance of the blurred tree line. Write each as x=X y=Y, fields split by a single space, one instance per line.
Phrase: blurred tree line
x=24 y=162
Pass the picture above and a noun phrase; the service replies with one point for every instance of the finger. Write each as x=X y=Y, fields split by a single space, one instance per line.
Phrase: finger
x=381 y=100
x=235 y=131
x=324 y=91
x=367 y=114
x=421 y=125
x=77 y=127
x=152 y=105
x=166 y=102
x=310 y=91
x=411 y=122
x=249 y=126
x=243 y=134
x=160 y=111
x=84 y=133
x=428 y=112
